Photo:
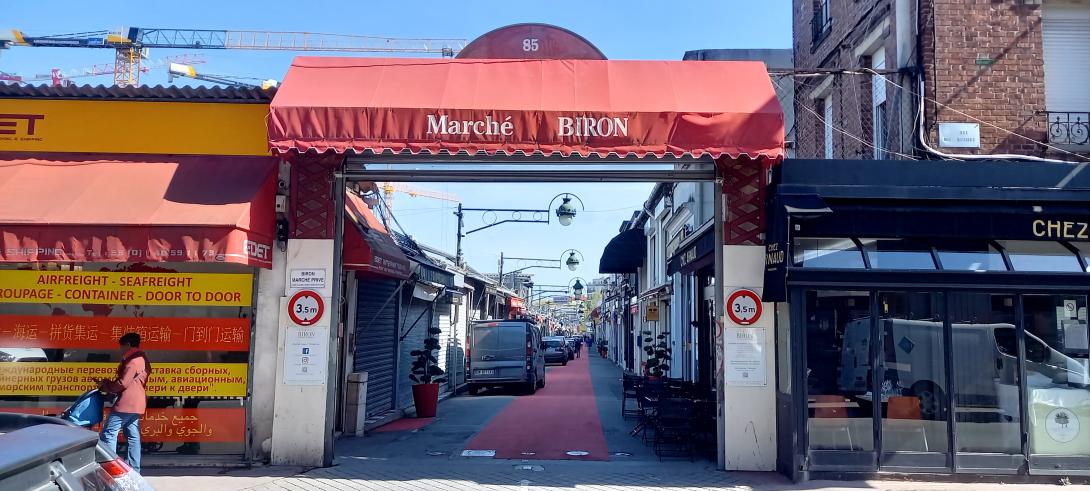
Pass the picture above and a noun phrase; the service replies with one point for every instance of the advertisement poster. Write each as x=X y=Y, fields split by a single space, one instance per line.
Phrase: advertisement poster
x=305 y=357
x=125 y=288
x=227 y=424
x=167 y=333
x=167 y=379
x=745 y=357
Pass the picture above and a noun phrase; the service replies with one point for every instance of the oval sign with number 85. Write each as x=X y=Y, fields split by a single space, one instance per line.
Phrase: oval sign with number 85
x=744 y=307
x=305 y=308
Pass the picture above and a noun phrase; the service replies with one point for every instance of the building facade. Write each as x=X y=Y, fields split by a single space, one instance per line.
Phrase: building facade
x=938 y=78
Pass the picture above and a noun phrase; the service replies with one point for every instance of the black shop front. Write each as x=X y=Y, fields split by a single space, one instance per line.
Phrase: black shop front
x=931 y=317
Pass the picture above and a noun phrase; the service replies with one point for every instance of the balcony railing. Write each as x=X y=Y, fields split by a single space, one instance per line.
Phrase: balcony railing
x=1069 y=128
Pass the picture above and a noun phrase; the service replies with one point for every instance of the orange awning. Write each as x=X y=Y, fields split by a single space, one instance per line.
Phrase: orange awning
x=508 y=107
x=133 y=208
x=368 y=247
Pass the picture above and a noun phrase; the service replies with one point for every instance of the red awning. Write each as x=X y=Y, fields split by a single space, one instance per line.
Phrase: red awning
x=583 y=107
x=368 y=247
x=94 y=208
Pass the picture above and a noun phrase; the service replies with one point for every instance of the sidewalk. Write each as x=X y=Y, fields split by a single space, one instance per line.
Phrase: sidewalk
x=448 y=474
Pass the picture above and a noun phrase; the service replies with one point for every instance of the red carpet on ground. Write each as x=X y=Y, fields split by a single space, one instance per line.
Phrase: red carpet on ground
x=560 y=418
x=404 y=424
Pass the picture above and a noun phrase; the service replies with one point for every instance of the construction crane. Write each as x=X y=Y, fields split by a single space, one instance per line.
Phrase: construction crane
x=131 y=44
x=188 y=71
x=389 y=188
x=60 y=77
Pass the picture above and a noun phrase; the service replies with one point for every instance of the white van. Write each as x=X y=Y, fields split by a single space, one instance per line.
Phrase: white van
x=919 y=344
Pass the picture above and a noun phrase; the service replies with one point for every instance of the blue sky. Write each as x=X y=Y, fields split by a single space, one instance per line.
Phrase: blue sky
x=634 y=29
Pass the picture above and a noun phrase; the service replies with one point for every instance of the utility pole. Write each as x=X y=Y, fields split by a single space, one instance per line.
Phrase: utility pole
x=458 y=255
x=501 y=269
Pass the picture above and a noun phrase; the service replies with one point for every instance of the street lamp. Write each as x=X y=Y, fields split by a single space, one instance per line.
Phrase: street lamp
x=577 y=286
x=572 y=262
x=565 y=213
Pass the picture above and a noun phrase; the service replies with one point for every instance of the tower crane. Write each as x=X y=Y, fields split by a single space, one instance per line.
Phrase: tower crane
x=188 y=71
x=131 y=44
x=389 y=188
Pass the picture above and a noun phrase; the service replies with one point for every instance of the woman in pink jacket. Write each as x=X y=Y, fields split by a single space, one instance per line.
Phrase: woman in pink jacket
x=130 y=385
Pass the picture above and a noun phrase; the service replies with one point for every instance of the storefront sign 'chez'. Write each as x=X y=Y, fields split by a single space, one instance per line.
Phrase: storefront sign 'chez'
x=1059 y=229
x=565 y=126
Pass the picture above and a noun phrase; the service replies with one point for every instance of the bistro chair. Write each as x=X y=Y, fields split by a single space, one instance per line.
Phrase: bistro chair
x=650 y=393
x=674 y=428
x=630 y=391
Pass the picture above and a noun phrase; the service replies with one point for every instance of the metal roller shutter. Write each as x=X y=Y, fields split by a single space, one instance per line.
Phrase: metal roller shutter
x=1066 y=32
x=376 y=341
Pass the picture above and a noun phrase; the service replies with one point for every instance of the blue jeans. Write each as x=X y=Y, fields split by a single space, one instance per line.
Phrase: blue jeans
x=130 y=424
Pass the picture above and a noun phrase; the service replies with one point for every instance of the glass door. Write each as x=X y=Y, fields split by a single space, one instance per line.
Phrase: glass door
x=1057 y=383
x=840 y=413
x=914 y=431
x=986 y=382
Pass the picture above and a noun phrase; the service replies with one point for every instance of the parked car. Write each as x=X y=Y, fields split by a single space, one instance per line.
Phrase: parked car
x=557 y=350
x=43 y=452
x=22 y=354
x=505 y=353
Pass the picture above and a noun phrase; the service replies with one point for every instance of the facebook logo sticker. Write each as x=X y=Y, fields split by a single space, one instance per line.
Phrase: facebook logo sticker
x=306 y=351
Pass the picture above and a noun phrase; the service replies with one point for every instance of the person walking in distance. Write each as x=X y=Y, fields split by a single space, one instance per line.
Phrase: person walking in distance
x=130 y=386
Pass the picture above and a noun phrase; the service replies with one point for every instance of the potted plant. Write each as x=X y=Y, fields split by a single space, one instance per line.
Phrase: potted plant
x=658 y=354
x=426 y=376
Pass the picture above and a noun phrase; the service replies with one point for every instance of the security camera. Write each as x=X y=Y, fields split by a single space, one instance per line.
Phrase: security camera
x=282 y=185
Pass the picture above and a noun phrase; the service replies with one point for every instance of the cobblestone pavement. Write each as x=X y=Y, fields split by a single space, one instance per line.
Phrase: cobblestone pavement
x=470 y=474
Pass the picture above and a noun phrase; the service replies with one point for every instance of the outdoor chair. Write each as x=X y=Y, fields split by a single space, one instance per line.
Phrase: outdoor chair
x=650 y=393
x=630 y=391
x=674 y=428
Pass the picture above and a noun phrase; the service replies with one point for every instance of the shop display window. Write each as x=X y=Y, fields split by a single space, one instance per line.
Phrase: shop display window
x=838 y=340
x=828 y=253
x=1084 y=251
x=1027 y=255
x=986 y=373
x=1057 y=374
x=913 y=389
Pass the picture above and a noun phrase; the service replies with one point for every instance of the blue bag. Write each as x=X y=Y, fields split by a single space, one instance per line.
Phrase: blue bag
x=87 y=410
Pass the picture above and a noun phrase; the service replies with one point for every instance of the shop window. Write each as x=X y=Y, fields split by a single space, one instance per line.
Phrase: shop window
x=828 y=253
x=913 y=389
x=986 y=373
x=971 y=256
x=897 y=254
x=1028 y=255
x=838 y=339
x=1057 y=374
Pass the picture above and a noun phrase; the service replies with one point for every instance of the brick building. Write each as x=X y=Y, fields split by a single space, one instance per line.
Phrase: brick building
x=998 y=76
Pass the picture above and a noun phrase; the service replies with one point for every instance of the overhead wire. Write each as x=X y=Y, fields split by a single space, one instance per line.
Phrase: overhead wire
x=845 y=132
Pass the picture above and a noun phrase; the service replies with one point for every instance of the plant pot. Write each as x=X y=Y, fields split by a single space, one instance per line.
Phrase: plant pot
x=426 y=398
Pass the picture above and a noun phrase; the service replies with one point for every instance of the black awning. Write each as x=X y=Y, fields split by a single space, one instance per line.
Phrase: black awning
x=695 y=255
x=624 y=253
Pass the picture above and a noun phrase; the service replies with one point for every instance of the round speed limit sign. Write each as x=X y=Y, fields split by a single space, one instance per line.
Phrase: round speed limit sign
x=305 y=307
x=744 y=307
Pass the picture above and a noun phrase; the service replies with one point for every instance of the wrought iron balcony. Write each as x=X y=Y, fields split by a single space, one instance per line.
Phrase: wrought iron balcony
x=1069 y=128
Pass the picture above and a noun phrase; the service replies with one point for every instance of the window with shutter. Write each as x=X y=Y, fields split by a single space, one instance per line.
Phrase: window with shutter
x=1066 y=34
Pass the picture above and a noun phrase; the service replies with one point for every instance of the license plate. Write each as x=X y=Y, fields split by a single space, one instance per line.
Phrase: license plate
x=484 y=372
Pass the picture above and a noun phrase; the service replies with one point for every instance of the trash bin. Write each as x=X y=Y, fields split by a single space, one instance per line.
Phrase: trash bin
x=356 y=403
